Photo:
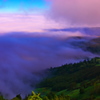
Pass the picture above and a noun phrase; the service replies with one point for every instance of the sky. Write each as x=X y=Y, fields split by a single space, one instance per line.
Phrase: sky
x=38 y=15
x=25 y=16
x=15 y=6
x=77 y=12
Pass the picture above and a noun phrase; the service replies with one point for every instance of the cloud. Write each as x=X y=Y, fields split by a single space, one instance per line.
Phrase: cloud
x=25 y=23
x=77 y=31
x=76 y=12
x=24 y=58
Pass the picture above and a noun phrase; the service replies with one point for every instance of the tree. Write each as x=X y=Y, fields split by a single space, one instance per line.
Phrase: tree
x=1 y=98
x=45 y=98
x=82 y=90
x=18 y=97
x=34 y=96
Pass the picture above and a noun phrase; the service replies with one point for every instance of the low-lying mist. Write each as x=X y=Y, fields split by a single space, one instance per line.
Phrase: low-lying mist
x=23 y=60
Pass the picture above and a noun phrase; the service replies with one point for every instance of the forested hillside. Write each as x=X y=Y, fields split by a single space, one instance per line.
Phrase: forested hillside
x=78 y=81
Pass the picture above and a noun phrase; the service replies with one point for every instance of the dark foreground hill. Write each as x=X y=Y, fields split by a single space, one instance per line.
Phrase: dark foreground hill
x=78 y=81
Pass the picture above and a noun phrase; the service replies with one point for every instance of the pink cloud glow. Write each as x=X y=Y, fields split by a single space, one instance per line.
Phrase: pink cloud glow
x=25 y=23
x=77 y=12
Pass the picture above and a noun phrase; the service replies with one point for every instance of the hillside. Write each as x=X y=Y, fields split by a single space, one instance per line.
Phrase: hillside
x=91 y=45
x=94 y=45
x=79 y=81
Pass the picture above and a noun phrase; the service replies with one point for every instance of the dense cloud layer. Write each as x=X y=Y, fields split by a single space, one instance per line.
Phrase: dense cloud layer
x=23 y=57
x=77 y=12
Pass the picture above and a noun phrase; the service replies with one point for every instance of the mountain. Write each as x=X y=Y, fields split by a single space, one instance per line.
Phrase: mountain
x=85 y=43
x=85 y=30
x=79 y=81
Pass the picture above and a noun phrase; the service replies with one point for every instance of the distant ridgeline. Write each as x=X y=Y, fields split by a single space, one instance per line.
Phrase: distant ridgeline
x=78 y=81
x=94 y=45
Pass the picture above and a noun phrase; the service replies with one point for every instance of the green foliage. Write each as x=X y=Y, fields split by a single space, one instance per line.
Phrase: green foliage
x=45 y=98
x=82 y=90
x=1 y=98
x=34 y=96
x=96 y=89
x=18 y=97
x=67 y=76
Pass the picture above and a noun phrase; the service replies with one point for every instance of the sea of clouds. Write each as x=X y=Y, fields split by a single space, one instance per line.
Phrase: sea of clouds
x=25 y=57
